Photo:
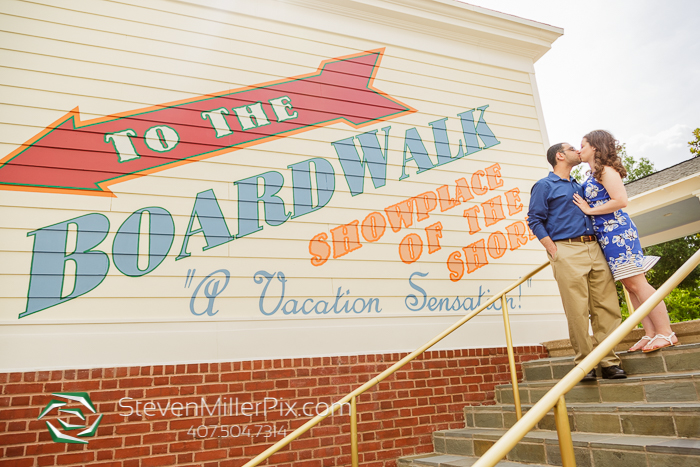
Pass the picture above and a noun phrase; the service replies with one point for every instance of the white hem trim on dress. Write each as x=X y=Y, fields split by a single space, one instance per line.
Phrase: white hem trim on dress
x=626 y=270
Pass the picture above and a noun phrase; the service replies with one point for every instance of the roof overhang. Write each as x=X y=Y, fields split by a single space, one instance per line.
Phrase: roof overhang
x=669 y=211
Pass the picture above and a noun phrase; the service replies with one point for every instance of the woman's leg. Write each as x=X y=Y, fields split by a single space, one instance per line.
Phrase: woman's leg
x=658 y=317
x=649 y=329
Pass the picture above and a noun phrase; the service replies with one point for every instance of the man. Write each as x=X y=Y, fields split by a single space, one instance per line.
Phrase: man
x=585 y=283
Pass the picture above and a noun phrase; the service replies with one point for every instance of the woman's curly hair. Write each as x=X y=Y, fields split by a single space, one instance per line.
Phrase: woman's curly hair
x=606 y=150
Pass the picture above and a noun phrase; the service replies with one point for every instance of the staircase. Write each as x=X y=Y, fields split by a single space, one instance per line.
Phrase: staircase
x=650 y=419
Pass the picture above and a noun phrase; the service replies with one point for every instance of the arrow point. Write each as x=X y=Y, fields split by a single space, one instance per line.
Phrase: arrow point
x=75 y=114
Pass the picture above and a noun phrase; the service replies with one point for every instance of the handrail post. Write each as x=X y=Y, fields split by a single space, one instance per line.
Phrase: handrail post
x=630 y=307
x=353 y=432
x=511 y=358
x=566 y=445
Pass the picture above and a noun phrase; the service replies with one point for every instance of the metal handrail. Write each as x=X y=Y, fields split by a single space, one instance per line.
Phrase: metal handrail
x=555 y=396
x=395 y=367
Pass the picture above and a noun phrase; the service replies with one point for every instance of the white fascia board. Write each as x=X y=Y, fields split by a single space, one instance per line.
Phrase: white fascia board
x=664 y=195
x=672 y=234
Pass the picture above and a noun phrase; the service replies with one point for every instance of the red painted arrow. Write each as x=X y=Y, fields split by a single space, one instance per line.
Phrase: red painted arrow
x=76 y=157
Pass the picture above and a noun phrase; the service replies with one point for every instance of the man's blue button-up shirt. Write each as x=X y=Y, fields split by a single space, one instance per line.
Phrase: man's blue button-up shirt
x=552 y=211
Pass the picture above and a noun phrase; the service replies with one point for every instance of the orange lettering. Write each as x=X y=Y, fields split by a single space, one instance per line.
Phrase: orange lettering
x=477 y=187
x=455 y=265
x=434 y=233
x=497 y=244
x=516 y=234
x=493 y=211
x=400 y=212
x=410 y=248
x=462 y=190
x=493 y=175
x=429 y=203
x=446 y=202
x=475 y=256
x=319 y=249
x=373 y=227
x=470 y=214
x=513 y=200
x=346 y=238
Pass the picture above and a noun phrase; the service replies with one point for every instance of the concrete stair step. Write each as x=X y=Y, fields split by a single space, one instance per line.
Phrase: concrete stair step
x=591 y=449
x=678 y=359
x=679 y=419
x=649 y=388
x=442 y=460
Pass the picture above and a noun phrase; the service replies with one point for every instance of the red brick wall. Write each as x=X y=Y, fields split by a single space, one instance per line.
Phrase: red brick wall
x=396 y=417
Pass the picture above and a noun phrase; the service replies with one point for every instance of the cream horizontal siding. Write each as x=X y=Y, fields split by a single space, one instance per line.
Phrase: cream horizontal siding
x=108 y=57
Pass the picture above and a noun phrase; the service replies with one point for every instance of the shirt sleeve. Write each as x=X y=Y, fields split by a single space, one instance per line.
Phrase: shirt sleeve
x=537 y=212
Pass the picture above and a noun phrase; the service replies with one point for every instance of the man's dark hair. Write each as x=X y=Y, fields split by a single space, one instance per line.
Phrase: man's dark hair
x=552 y=153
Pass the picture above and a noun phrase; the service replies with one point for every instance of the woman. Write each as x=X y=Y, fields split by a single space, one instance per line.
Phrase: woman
x=617 y=235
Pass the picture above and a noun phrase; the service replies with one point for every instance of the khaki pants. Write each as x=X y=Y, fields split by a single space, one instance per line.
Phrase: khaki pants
x=586 y=286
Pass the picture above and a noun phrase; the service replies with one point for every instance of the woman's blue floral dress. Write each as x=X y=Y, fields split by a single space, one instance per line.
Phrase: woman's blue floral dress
x=617 y=235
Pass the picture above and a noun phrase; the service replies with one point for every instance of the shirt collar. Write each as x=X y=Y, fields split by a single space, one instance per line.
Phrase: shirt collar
x=555 y=178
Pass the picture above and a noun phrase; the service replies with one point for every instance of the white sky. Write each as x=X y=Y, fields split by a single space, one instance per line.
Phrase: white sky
x=631 y=67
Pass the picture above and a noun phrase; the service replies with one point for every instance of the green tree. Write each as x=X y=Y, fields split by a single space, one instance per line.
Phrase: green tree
x=673 y=254
x=635 y=169
x=683 y=304
x=577 y=173
x=695 y=144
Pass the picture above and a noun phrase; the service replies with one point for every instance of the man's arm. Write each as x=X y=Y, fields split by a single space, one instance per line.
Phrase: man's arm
x=537 y=214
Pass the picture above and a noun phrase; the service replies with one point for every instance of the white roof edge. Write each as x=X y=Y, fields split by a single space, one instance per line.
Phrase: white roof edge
x=506 y=16
x=465 y=22
x=454 y=12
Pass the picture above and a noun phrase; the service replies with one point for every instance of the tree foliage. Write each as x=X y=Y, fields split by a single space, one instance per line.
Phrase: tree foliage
x=673 y=254
x=683 y=304
x=577 y=173
x=635 y=169
x=695 y=144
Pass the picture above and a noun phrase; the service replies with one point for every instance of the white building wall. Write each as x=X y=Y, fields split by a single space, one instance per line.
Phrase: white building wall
x=437 y=59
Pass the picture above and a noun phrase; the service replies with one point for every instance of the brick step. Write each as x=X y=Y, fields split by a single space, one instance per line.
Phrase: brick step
x=591 y=449
x=443 y=460
x=649 y=388
x=677 y=359
x=680 y=419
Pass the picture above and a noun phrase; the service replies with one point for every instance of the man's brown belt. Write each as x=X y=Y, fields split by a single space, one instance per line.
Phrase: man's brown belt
x=581 y=239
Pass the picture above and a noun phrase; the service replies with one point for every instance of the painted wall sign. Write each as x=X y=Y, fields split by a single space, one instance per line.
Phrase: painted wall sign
x=51 y=251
